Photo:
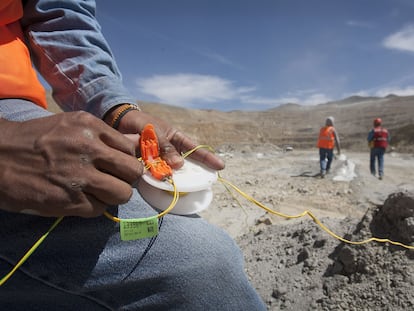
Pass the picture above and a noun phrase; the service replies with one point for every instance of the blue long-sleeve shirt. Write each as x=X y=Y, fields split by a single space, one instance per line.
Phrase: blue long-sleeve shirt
x=70 y=52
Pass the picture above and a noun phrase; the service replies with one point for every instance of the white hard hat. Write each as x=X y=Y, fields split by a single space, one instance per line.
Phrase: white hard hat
x=330 y=120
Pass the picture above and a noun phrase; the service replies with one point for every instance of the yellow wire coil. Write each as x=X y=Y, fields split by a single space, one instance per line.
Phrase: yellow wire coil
x=30 y=251
x=174 y=201
x=313 y=217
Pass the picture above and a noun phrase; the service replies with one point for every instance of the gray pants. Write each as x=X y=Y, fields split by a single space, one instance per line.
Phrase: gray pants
x=83 y=265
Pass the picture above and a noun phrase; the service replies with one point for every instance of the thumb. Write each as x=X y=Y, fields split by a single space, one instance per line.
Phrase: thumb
x=169 y=154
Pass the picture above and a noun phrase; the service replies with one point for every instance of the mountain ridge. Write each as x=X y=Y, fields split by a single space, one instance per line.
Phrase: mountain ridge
x=292 y=124
x=296 y=125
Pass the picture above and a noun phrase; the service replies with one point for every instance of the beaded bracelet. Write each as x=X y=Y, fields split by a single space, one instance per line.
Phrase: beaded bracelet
x=121 y=112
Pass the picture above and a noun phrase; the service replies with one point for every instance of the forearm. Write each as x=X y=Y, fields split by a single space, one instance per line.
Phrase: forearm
x=370 y=136
x=337 y=142
x=72 y=55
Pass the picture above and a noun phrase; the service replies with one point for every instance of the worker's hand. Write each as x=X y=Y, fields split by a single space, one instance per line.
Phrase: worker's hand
x=68 y=164
x=171 y=141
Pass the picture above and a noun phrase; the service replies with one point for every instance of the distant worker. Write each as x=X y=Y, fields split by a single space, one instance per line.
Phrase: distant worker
x=328 y=139
x=378 y=139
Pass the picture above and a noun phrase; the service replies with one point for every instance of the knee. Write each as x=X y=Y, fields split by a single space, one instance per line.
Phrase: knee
x=200 y=250
x=213 y=248
x=209 y=271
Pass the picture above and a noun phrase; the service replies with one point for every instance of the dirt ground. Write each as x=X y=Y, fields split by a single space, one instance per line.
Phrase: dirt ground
x=293 y=263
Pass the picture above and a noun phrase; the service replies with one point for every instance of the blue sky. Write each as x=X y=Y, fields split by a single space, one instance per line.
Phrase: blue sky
x=258 y=54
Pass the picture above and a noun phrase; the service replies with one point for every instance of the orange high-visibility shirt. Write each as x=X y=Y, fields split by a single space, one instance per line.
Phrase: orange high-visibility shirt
x=18 y=79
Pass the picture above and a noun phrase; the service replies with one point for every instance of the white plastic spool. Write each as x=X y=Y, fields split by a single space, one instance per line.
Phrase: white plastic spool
x=194 y=183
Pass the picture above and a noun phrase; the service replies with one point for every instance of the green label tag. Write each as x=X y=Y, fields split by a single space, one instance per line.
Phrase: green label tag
x=134 y=229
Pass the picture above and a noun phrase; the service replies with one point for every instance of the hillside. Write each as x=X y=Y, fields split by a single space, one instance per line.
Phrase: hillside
x=296 y=125
x=293 y=124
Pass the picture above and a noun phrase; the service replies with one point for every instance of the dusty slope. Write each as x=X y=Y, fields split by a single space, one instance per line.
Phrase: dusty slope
x=266 y=173
x=293 y=263
x=296 y=125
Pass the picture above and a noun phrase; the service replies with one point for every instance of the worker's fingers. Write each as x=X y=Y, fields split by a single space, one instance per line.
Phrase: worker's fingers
x=121 y=165
x=134 y=138
x=107 y=189
x=170 y=154
x=184 y=144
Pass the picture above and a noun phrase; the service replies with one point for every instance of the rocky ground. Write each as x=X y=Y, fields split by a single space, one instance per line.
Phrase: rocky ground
x=293 y=263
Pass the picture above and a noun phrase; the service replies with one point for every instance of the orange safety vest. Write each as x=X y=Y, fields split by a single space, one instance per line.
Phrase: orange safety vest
x=326 y=137
x=18 y=79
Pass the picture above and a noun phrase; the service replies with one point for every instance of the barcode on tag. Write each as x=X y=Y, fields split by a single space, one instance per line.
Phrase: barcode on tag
x=134 y=229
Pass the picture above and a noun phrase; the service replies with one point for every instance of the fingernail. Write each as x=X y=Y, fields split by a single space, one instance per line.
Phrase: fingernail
x=176 y=159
